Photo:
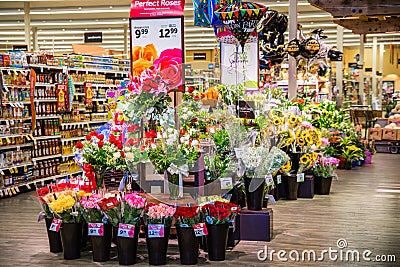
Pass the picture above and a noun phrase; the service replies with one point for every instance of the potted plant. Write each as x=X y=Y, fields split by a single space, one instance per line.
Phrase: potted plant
x=217 y=218
x=185 y=220
x=158 y=219
x=323 y=172
x=350 y=153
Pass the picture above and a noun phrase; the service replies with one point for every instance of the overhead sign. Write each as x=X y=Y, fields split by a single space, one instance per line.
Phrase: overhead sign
x=20 y=47
x=199 y=56
x=93 y=37
x=156 y=8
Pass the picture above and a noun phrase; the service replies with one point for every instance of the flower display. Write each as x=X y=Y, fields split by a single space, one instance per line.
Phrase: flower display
x=187 y=216
x=97 y=154
x=111 y=207
x=65 y=205
x=159 y=214
x=219 y=212
x=325 y=166
x=90 y=209
x=134 y=205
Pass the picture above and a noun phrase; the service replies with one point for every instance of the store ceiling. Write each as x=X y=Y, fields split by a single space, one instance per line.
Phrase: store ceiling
x=61 y=23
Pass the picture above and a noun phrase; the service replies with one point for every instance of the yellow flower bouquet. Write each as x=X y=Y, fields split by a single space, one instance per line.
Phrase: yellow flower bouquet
x=65 y=206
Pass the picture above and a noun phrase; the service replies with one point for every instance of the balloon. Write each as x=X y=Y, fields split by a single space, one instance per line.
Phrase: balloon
x=225 y=36
x=241 y=19
x=293 y=48
x=335 y=55
x=309 y=48
x=204 y=15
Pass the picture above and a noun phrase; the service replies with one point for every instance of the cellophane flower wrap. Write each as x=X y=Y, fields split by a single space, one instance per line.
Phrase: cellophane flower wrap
x=66 y=205
x=159 y=214
x=45 y=197
x=325 y=166
x=187 y=216
x=90 y=209
x=111 y=207
x=219 y=212
x=134 y=205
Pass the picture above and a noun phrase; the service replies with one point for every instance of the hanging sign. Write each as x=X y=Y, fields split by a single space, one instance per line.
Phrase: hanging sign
x=156 y=8
x=93 y=37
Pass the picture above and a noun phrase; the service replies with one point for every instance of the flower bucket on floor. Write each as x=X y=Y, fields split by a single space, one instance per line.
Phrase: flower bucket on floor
x=322 y=185
x=54 y=238
x=291 y=187
x=157 y=246
x=216 y=241
x=254 y=192
x=188 y=245
x=127 y=243
x=71 y=236
x=101 y=241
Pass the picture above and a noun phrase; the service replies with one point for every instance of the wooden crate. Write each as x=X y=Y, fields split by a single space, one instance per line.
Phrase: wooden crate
x=375 y=134
x=389 y=134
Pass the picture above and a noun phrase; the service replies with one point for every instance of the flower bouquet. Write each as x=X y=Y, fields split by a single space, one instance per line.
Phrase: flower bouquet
x=158 y=219
x=111 y=206
x=187 y=216
x=134 y=205
x=97 y=154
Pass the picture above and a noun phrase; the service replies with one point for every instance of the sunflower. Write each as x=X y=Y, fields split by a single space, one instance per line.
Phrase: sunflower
x=292 y=120
x=300 y=141
x=314 y=157
x=305 y=159
x=277 y=121
x=289 y=139
x=318 y=143
x=287 y=167
x=308 y=138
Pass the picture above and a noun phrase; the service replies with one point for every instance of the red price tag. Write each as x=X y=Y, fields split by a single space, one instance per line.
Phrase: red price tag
x=126 y=230
x=55 y=225
x=155 y=230
x=96 y=229
x=200 y=229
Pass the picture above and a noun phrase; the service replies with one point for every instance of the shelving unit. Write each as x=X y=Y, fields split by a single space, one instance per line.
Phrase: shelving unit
x=59 y=130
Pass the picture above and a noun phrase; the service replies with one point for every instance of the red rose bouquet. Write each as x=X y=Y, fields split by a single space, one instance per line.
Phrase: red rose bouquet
x=44 y=196
x=219 y=212
x=111 y=206
x=187 y=216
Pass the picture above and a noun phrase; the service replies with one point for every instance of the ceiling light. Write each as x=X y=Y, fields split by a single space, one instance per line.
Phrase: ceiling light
x=111 y=6
x=70 y=20
x=43 y=21
x=124 y=19
x=19 y=10
x=63 y=30
x=49 y=9
x=80 y=8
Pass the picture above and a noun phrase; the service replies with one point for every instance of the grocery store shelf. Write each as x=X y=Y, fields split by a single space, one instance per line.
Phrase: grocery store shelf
x=79 y=94
x=81 y=123
x=18 y=119
x=44 y=84
x=68 y=155
x=100 y=99
x=46 y=100
x=16 y=166
x=45 y=66
x=17 y=86
x=45 y=137
x=47 y=117
x=16 y=102
x=14 y=135
x=46 y=157
x=98 y=71
x=73 y=139
x=97 y=84
x=15 y=146
x=14 y=69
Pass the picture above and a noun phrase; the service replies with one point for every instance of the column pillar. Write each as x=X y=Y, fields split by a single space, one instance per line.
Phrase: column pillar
x=292 y=77
x=339 y=67
x=126 y=41
x=361 y=76
x=374 y=65
x=35 y=45
x=27 y=22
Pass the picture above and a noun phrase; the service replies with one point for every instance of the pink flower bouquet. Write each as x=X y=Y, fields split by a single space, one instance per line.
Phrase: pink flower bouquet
x=159 y=214
x=90 y=209
x=133 y=207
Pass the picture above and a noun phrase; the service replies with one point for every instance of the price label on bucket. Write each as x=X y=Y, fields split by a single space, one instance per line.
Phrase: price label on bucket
x=155 y=230
x=200 y=229
x=269 y=180
x=126 y=230
x=96 y=229
x=226 y=183
x=300 y=177
x=55 y=225
x=279 y=179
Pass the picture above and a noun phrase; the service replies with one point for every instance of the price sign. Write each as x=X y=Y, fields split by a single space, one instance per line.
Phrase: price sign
x=155 y=230
x=55 y=225
x=300 y=177
x=200 y=229
x=226 y=183
x=279 y=179
x=269 y=180
x=96 y=229
x=126 y=230
x=239 y=152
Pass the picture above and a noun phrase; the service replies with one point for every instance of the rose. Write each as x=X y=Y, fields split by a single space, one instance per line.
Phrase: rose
x=149 y=52
x=100 y=144
x=138 y=66
x=170 y=65
x=79 y=145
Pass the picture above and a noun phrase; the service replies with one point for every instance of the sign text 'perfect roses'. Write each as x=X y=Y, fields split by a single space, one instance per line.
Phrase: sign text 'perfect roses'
x=156 y=8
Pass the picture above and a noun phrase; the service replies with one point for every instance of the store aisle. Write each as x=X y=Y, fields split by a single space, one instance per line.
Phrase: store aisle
x=362 y=211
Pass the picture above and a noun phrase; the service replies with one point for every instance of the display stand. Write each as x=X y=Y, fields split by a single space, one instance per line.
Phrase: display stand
x=256 y=225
